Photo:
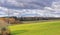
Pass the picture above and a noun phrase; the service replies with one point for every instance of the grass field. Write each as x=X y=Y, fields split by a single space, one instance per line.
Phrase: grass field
x=37 y=28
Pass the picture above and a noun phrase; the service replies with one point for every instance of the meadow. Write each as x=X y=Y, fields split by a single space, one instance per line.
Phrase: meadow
x=36 y=28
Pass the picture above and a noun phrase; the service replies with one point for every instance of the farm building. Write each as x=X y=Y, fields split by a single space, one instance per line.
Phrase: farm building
x=37 y=18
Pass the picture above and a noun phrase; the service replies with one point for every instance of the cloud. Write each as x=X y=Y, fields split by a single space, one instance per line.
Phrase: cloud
x=54 y=9
x=25 y=4
x=39 y=8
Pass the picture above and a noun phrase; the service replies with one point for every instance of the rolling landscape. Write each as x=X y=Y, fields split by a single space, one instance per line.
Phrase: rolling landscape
x=32 y=27
x=29 y=17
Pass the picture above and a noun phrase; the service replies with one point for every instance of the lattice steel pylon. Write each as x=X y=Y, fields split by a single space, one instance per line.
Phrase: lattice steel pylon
x=4 y=30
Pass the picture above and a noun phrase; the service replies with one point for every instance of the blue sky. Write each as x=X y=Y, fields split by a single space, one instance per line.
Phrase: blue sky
x=25 y=8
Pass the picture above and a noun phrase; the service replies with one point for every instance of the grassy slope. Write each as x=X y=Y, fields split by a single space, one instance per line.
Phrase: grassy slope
x=41 y=28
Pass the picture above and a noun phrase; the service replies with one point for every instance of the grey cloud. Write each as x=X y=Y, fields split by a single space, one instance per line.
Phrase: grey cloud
x=25 y=4
x=25 y=8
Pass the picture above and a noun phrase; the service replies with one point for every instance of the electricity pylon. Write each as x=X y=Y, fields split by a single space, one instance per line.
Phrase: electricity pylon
x=4 y=26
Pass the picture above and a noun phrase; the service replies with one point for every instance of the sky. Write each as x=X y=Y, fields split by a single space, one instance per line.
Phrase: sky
x=30 y=8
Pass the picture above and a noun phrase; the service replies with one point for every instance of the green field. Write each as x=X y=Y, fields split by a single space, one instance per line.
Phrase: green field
x=36 y=28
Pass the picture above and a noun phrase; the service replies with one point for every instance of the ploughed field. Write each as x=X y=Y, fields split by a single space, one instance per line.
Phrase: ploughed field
x=36 y=28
